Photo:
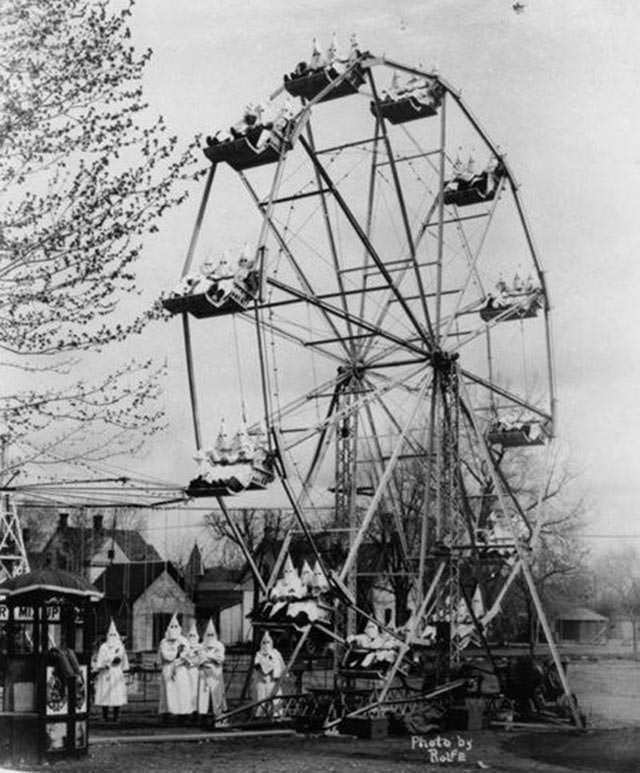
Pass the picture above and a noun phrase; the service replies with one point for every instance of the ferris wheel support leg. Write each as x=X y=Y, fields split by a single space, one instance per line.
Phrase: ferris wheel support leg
x=368 y=517
x=498 y=483
x=552 y=646
x=414 y=622
x=424 y=526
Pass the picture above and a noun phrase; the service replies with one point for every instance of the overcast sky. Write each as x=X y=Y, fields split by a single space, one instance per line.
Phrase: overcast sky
x=557 y=87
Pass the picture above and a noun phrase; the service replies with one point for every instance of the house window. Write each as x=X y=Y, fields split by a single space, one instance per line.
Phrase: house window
x=161 y=621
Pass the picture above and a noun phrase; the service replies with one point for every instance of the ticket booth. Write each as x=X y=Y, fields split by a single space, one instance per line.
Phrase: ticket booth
x=46 y=619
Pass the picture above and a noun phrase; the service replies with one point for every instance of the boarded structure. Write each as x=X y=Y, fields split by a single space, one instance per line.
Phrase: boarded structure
x=226 y=596
x=141 y=598
x=582 y=625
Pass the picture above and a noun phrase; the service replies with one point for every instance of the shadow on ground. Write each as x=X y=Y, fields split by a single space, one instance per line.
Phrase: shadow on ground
x=614 y=751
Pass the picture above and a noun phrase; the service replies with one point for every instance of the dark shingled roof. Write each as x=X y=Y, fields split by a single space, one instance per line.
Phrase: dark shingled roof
x=129 y=581
x=78 y=540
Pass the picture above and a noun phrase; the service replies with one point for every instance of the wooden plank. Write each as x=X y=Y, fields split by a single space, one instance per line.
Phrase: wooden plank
x=186 y=736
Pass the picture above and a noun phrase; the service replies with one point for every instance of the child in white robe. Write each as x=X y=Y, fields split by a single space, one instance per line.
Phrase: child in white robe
x=211 y=691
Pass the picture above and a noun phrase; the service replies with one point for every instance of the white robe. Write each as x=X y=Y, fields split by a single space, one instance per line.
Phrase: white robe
x=269 y=667
x=111 y=689
x=211 y=693
x=175 y=687
x=192 y=668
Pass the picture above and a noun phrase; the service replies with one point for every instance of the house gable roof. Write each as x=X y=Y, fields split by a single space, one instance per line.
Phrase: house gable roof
x=129 y=581
x=78 y=540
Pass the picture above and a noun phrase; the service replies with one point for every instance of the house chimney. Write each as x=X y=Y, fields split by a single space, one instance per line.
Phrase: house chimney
x=63 y=520
x=97 y=522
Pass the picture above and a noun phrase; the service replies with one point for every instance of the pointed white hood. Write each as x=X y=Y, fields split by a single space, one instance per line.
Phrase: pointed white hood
x=210 y=635
x=113 y=637
x=173 y=631
x=192 y=635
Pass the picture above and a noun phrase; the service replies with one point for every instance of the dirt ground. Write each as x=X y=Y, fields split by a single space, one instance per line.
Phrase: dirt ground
x=609 y=693
x=605 y=751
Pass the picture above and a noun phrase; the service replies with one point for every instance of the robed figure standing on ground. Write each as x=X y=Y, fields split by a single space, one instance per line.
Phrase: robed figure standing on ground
x=211 y=691
x=268 y=669
x=110 y=665
x=192 y=655
x=175 y=687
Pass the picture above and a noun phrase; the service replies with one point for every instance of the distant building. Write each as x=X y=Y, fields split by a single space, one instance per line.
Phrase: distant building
x=226 y=595
x=87 y=550
x=581 y=625
x=141 y=598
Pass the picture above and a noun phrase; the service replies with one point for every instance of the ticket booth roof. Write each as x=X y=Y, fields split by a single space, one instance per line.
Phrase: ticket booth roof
x=43 y=582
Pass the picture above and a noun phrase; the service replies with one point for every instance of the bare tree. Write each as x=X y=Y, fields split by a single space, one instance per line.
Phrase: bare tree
x=618 y=575
x=85 y=174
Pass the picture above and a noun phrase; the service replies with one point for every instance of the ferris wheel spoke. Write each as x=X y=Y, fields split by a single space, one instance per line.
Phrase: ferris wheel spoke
x=304 y=281
x=496 y=389
x=501 y=485
x=364 y=240
x=285 y=335
x=337 y=312
x=402 y=205
x=331 y=238
x=473 y=258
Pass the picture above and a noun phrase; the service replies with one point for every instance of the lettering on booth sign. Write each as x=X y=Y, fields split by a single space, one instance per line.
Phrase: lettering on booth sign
x=25 y=614
x=442 y=750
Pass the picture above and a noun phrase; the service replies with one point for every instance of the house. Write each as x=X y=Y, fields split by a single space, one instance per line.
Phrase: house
x=141 y=598
x=226 y=596
x=581 y=625
x=87 y=550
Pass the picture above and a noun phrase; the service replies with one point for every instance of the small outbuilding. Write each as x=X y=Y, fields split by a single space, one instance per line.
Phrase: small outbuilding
x=581 y=625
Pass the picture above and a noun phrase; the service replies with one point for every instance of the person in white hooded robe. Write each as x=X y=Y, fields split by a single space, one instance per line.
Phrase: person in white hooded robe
x=211 y=695
x=269 y=668
x=110 y=665
x=192 y=657
x=175 y=687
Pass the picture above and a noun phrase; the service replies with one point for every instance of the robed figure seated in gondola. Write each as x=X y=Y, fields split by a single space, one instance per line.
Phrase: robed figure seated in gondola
x=512 y=430
x=420 y=97
x=297 y=599
x=371 y=650
x=467 y=186
x=243 y=463
x=310 y=78
x=520 y=300
x=260 y=136
x=217 y=288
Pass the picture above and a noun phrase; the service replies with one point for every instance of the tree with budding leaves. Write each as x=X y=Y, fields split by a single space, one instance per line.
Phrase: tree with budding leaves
x=85 y=175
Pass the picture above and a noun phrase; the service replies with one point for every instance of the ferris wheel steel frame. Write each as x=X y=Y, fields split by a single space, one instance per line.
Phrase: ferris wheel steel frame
x=353 y=390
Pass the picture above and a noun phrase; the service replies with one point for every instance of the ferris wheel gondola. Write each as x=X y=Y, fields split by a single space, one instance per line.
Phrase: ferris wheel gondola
x=384 y=362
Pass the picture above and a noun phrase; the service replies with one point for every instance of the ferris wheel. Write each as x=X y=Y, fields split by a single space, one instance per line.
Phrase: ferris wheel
x=393 y=316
